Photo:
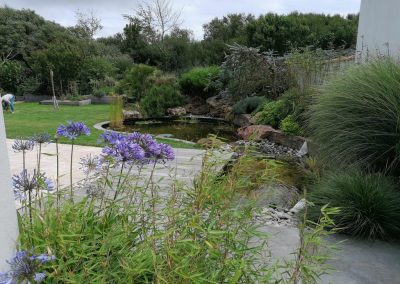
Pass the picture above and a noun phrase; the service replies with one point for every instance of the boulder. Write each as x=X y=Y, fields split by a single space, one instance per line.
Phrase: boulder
x=131 y=114
x=276 y=195
x=176 y=111
x=220 y=105
x=242 y=120
x=294 y=142
x=255 y=132
x=210 y=142
x=197 y=108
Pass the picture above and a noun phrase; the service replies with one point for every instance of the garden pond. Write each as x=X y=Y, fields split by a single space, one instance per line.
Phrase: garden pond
x=185 y=128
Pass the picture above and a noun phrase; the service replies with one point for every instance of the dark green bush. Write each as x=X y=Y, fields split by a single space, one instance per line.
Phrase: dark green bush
x=11 y=75
x=274 y=112
x=198 y=82
x=248 y=105
x=135 y=82
x=95 y=68
x=369 y=203
x=293 y=101
x=159 y=98
x=356 y=117
x=289 y=126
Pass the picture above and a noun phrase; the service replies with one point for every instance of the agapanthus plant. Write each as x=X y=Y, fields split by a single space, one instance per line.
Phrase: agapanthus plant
x=20 y=145
x=24 y=184
x=23 y=146
x=136 y=148
x=41 y=138
x=72 y=131
x=91 y=164
x=25 y=267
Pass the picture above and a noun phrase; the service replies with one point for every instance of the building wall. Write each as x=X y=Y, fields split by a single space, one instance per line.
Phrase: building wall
x=8 y=217
x=379 y=28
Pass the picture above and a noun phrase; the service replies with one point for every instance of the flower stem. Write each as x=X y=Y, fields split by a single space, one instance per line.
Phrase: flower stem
x=70 y=168
x=58 y=172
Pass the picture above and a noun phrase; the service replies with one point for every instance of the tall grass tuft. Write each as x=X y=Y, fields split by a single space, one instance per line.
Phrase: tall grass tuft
x=369 y=204
x=356 y=117
x=116 y=113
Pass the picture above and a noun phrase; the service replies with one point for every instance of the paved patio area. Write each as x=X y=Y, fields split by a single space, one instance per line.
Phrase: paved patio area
x=187 y=162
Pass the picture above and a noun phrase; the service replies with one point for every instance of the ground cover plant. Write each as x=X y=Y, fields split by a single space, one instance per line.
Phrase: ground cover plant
x=31 y=118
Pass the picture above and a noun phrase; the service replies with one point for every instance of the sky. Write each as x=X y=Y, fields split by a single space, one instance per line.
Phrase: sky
x=194 y=13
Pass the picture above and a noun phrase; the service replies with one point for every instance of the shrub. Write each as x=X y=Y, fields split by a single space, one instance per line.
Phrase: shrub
x=248 y=72
x=135 y=82
x=248 y=105
x=356 y=117
x=95 y=68
x=273 y=112
x=197 y=82
x=159 y=98
x=11 y=75
x=289 y=126
x=369 y=203
x=293 y=102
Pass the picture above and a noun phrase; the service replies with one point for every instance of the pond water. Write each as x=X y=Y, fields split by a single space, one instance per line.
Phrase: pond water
x=189 y=129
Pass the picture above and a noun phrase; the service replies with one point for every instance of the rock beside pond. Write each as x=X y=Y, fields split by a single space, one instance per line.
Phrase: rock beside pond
x=255 y=132
x=131 y=114
x=276 y=195
x=242 y=120
x=176 y=111
x=210 y=142
x=270 y=149
x=260 y=132
x=294 y=142
x=220 y=106
x=197 y=106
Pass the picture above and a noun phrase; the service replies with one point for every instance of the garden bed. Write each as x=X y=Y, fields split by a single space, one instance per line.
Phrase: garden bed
x=105 y=100
x=68 y=102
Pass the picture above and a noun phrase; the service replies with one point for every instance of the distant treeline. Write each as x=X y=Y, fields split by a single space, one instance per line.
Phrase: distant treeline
x=271 y=32
x=31 y=45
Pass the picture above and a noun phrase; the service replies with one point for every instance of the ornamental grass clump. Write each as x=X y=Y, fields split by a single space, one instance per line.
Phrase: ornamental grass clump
x=355 y=118
x=369 y=203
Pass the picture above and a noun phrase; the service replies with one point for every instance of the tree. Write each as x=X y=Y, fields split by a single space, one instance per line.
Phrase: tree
x=88 y=25
x=159 y=16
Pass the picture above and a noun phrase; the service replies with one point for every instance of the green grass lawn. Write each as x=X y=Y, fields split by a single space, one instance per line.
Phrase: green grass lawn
x=31 y=118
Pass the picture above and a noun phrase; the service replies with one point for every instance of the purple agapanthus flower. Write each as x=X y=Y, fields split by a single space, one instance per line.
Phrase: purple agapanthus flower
x=136 y=148
x=25 y=182
x=73 y=130
x=166 y=154
x=24 y=267
x=125 y=151
x=20 y=145
x=41 y=138
x=91 y=164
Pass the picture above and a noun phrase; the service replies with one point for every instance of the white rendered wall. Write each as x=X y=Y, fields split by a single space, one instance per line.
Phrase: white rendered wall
x=379 y=28
x=8 y=216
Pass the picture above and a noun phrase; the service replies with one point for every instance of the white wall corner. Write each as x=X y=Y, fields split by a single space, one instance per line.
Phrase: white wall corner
x=8 y=214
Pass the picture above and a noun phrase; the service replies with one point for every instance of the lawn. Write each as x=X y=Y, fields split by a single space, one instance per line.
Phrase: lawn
x=31 y=118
